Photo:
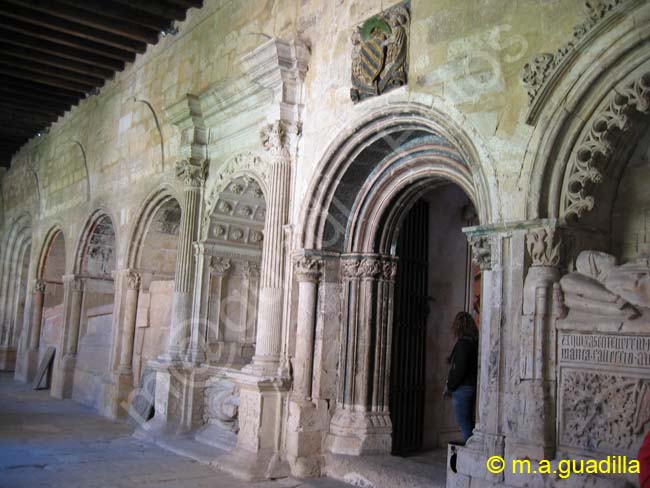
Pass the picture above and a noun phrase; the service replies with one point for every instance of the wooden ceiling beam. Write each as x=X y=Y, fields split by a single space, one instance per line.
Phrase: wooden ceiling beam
x=45 y=34
x=36 y=67
x=37 y=18
x=29 y=119
x=188 y=3
x=156 y=7
x=55 y=61
x=32 y=105
x=74 y=89
x=21 y=93
x=122 y=12
x=23 y=86
x=92 y=19
x=58 y=50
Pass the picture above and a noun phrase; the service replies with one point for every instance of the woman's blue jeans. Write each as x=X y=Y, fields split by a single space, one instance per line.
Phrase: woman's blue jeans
x=463 y=399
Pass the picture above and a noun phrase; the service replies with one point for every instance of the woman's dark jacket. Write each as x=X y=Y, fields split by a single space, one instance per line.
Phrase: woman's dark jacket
x=464 y=363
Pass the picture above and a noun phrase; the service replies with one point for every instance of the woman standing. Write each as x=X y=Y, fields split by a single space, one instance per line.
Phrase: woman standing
x=461 y=381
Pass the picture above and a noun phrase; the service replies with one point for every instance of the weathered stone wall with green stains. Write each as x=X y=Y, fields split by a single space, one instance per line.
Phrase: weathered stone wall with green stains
x=467 y=54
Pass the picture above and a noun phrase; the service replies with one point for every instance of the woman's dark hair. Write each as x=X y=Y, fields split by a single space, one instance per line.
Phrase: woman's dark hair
x=464 y=325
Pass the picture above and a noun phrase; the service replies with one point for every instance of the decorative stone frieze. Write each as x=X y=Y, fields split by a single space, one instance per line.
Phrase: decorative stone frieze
x=543 y=246
x=540 y=72
x=607 y=128
x=481 y=251
x=380 y=53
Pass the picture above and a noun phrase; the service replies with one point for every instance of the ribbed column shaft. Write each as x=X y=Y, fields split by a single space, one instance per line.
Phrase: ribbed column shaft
x=269 y=318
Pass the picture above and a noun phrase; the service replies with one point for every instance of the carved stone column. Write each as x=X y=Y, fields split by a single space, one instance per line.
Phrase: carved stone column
x=192 y=177
x=361 y=423
x=38 y=299
x=128 y=330
x=62 y=379
x=269 y=318
x=536 y=427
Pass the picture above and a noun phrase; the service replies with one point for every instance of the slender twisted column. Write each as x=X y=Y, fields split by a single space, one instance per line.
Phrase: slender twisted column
x=38 y=298
x=308 y=275
x=130 y=313
x=269 y=318
x=192 y=177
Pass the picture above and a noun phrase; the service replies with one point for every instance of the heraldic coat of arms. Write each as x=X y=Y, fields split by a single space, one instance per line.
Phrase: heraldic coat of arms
x=380 y=53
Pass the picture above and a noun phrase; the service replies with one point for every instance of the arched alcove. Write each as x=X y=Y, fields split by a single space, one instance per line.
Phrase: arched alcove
x=152 y=254
x=93 y=281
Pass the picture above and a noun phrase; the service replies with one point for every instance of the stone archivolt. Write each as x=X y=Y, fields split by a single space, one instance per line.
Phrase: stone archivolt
x=538 y=73
x=607 y=127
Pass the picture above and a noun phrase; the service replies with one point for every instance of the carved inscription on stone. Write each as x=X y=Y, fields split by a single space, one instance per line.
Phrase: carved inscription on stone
x=609 y=350
x=380 y=53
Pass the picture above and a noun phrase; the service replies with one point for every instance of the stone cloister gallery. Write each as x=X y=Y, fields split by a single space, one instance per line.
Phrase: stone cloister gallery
x=255 y=239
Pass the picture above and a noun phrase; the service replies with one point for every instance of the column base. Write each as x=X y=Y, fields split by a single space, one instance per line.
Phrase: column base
x=63 y=377
x=118 y=390
x=27 y=365
x=357 y=433
x=307 y=425
x=262 y=400
x=7 y=358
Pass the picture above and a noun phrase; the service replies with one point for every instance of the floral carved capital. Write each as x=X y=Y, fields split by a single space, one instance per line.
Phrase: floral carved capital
x=307 y=268
x=481 y=251
x=39 y=286
x=274 y=140
x=219 y=265
x=133 y=280
x=191 y=175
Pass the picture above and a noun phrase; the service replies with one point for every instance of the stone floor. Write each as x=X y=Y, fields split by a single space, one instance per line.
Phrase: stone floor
x=46 y=442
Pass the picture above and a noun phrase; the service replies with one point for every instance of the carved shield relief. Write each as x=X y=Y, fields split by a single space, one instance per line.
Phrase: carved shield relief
x=380 y=53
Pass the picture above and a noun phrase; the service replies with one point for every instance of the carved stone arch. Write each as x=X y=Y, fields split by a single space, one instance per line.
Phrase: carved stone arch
x=90 y=226
x=573 y=102
x=153 y=202
x=420 y=141
x=52 y=233
x=248 y=164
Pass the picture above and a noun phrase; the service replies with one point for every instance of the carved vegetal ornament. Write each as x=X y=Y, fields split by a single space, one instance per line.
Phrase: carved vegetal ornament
x=481 y=252
x=380 y=53
x=307 y=268
x=192 y=175
x=607 y=128
x=544 y=246
x=537 y=73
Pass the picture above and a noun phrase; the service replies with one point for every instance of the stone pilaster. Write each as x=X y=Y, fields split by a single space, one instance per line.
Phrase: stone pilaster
x=128 y=329
x=31 y=354
x=269 y=318
x=192 y=176
x=63 y=377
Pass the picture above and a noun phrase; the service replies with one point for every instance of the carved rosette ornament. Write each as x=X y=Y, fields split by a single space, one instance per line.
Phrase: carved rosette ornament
x=191 y=175
x=537 y=73
x=133 y=280
x=39 y=286
x=380 y=53
x=543 y=246
x=307 y=268
x=481 y=252
x=607 y=128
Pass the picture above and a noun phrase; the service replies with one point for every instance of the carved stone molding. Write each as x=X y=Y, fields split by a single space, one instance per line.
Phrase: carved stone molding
x=307 y=268
x=191 y=175
x=39 y=286
x=380 y=53
x=133 y=280
x=219 y=265
x=606 y=129
x=481 y=251
x=369 y=267
x=543 y=246
x=538 y=73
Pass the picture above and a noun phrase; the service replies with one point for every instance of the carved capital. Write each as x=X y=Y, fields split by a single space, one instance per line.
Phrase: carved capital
x=132 y=280
x=219 y=265
x=39 y=286
x=307 y=268
x=361 y=267
x=74 y=282
x=481 y=251
x=251 y=269
x=274 y=140
x=191 y=175
x=543 y=246
x=389 y=270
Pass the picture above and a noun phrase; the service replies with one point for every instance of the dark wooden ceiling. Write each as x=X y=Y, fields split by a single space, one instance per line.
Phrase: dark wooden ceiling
x=54 y=53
